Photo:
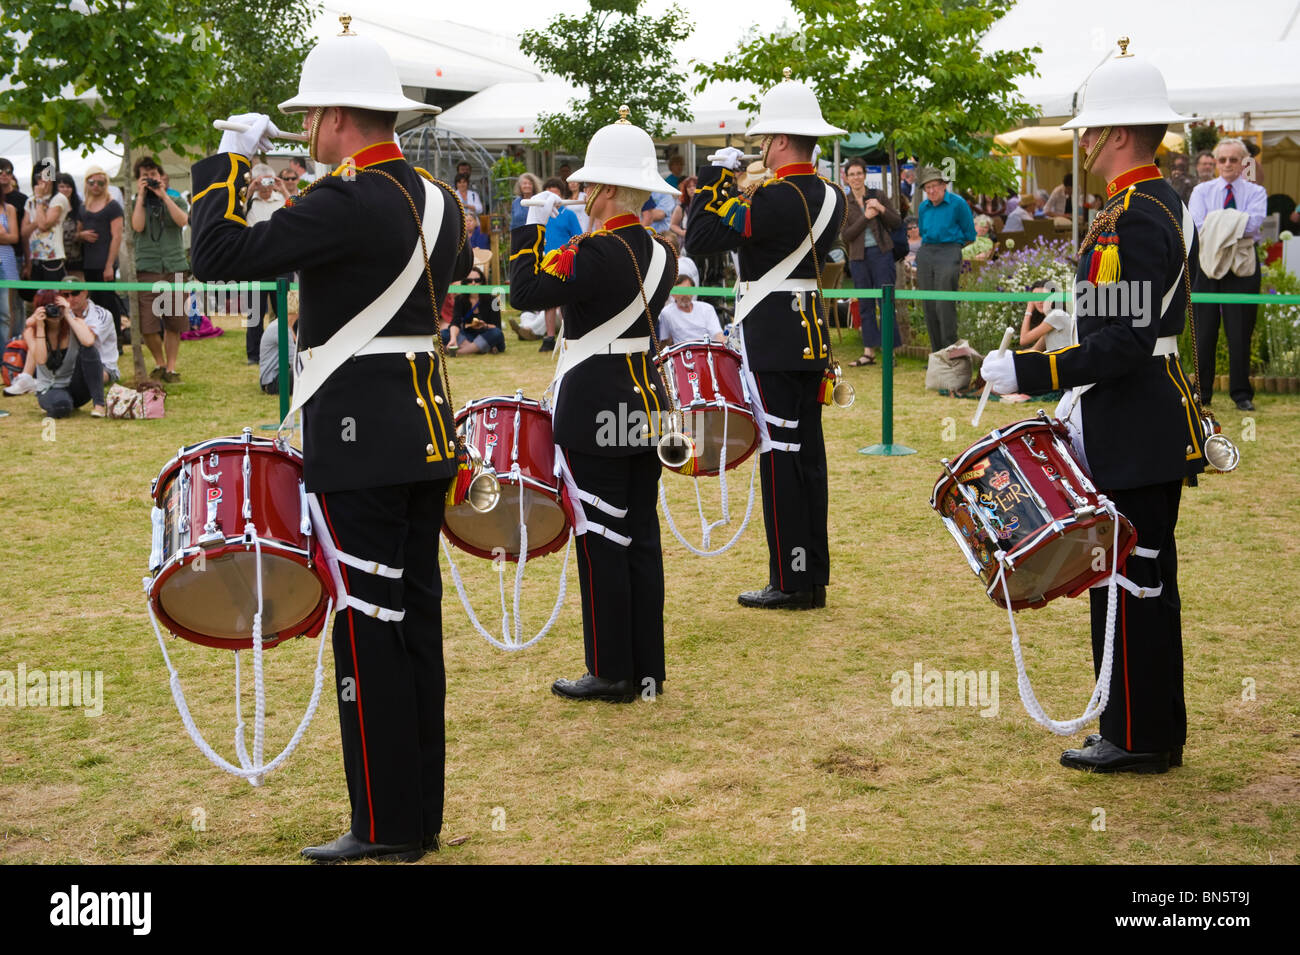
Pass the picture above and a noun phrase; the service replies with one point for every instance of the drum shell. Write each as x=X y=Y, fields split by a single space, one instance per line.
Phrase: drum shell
x=211 y=600
x=706 y=378
x=488 y=425
x=1043 y=507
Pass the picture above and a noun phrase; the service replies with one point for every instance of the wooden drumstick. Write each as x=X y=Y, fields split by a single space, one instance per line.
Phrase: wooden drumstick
x=988 y=386
x=225 y=124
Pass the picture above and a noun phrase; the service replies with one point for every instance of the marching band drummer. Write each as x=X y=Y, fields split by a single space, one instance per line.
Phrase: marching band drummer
x=1134 y=421
x=784 y=338
x=607 y=402
x=377 y=429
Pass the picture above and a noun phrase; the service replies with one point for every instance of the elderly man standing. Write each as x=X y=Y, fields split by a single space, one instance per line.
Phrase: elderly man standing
x=1228 y=192
x=946 y=226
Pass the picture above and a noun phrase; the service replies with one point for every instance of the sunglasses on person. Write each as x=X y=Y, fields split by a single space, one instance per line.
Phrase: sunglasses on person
x=97 y=182
x=288 y=177
x=1229 y=160
x=473 y=281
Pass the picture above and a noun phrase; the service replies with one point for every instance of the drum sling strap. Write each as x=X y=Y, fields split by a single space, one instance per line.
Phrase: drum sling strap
x=754 y=292
x=577 y=350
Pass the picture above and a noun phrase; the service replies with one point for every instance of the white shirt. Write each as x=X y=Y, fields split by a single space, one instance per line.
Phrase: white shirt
x=99 y=321
x=1062 y=333
x=700 y=323
x=472 y=202
x=1249 y=197
x=259 y=210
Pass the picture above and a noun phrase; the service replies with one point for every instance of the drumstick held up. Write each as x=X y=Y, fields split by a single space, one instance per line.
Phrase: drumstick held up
x=241 y=128
x=533 y=201
x=984 y=397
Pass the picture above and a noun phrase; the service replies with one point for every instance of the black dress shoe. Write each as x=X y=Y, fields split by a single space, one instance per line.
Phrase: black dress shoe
x=548 y=343
x=1175 y=754
x=1245 y=404
x=348 y=848
x=1106 y=757
x=596 y=688
x=773 y=597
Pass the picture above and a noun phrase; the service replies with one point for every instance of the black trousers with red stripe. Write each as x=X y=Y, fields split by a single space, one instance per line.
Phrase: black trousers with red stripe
x=622 y=587
x=389 y=676
x=794 y=482
x=1145 y=712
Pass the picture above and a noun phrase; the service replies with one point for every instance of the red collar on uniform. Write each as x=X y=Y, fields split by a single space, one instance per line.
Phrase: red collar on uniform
x=795 y=169
x=622 y=221
x=377 y=153
x=1135 y=175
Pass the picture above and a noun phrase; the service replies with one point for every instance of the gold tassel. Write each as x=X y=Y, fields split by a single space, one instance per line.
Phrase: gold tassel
x=1108 y=271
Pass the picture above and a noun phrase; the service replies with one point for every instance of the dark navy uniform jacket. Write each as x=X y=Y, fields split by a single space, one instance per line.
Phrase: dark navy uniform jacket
x=1140 y=424
x=379 y=419
x=781 y=333
x=593 y=278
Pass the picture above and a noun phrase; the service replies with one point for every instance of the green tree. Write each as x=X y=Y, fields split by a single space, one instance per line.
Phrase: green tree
x=912 y=70
x=620 y=58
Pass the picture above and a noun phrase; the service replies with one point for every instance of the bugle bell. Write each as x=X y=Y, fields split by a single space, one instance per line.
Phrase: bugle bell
x=842 y=394
x=1220 y=453
x=484 y=489
x=675 y=447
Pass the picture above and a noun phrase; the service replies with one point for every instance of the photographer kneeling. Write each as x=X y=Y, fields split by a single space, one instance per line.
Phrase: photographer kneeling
x=62 y=345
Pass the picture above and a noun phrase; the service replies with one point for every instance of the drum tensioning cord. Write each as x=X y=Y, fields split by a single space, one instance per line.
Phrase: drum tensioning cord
x=1101 y=692
x=507 y=642
x=251 y=769
x=707 y=529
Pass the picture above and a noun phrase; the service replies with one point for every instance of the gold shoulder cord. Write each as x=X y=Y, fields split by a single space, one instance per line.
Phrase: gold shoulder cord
x=433 y=298
x=817 y=271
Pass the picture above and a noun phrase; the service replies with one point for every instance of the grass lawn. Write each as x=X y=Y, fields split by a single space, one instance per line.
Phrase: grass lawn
x=776 y=739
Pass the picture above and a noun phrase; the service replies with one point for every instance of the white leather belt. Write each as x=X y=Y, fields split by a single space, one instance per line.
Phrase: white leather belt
x=399 y=343
x=624 y=346
x=789 y=285
x=1165 y=346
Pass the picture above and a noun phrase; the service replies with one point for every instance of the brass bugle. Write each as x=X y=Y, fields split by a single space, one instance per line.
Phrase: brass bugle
x=1220 y=453
x=675 y=446
x=225 y=124
x=842 y=393
x=484 y=489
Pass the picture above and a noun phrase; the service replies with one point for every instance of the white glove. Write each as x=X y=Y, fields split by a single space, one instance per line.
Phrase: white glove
x=548 y=207
x=256 y=139
x=728 y=158
x=999 y=370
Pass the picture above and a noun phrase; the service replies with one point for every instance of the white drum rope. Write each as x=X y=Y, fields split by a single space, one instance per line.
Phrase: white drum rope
x=1101 y=692
x=672 y=526
x=251 y=769
x=508 y=642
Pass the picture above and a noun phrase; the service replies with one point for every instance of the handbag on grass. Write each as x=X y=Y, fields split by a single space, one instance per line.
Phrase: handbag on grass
x=124 y=402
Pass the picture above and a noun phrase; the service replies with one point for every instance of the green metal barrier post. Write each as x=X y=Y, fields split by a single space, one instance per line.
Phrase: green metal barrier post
x=887 y=446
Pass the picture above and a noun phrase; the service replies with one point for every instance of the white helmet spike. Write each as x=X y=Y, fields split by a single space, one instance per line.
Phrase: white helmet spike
x=622 y=154
x=1126 y=90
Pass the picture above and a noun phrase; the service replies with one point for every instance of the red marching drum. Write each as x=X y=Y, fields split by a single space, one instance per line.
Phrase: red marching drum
x=1018 y=498
x=205 y=569
x=514 y=437
x=706 y=378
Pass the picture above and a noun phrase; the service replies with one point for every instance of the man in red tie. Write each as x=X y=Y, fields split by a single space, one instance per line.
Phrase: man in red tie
x=1231 y=190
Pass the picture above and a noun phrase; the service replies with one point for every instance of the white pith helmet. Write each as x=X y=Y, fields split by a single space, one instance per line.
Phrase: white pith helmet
x=1126 y=90
x=622 y=154
x=351 y=70
x=791 y=108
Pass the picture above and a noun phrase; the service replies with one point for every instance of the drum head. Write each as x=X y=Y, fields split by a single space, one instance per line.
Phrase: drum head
x=480 y=534
x=218 y=601
x=1058 y=566
x=705 y=426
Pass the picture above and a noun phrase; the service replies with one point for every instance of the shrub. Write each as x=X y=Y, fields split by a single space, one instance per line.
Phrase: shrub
x=982 y=323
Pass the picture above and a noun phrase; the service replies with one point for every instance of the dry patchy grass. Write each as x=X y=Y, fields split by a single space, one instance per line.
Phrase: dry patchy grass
x=764 y=714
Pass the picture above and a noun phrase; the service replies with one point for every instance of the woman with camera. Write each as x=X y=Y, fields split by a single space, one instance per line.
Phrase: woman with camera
x=479 y=322
x=69 y=371
x=43 y=226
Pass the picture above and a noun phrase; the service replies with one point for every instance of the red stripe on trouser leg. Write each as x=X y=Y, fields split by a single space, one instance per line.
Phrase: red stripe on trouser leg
x=771 y=470
x=591 y=599
x=356 y=676
x=1128 y=706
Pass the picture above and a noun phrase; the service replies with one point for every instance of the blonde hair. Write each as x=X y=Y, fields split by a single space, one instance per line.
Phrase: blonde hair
x=630 y=200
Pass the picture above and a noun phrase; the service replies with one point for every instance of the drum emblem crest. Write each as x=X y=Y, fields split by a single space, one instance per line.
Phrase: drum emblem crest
x=1000 y=480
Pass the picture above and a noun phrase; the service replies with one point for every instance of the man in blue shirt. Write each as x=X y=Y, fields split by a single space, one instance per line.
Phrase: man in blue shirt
x=657 y=213
x=562 y=227
x=946 y=225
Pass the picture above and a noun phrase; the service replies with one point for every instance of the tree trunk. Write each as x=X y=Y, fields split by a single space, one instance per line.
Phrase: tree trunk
x=127 y=258
x=895 y=178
